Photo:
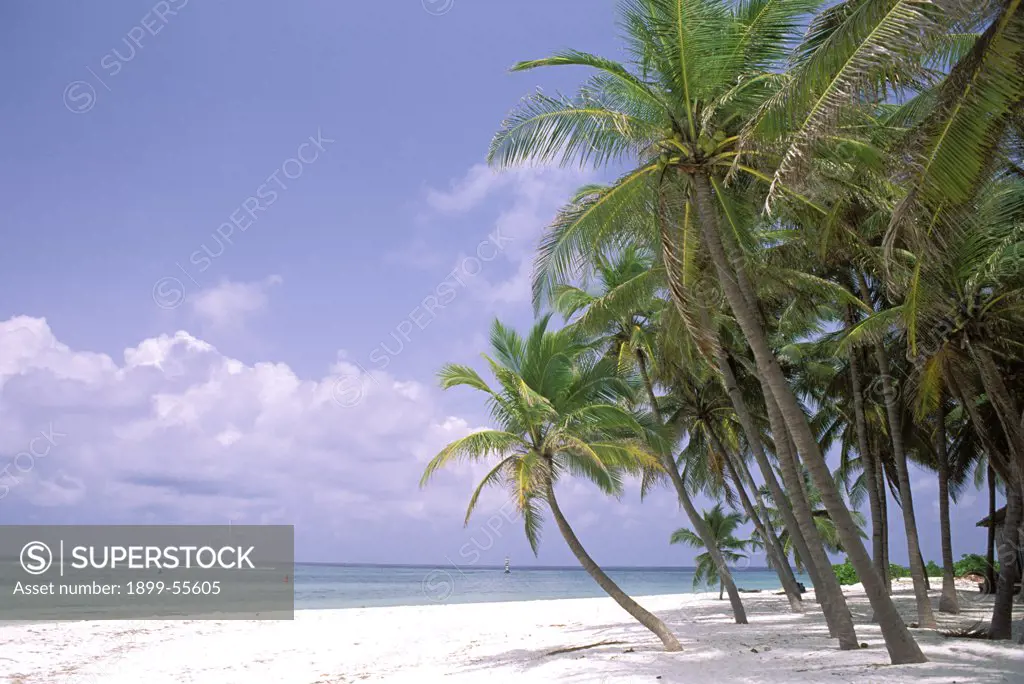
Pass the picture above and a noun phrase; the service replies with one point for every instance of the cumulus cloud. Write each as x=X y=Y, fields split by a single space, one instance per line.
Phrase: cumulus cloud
x=176 y=431
x=230 y=303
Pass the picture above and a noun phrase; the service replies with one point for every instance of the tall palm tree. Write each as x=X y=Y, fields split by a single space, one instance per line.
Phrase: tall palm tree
x=558 y=415
x=961 y=318
x=722 y=527
x=702 y=71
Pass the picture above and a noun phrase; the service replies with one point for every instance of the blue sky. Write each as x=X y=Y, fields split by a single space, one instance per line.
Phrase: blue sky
x=239 y=240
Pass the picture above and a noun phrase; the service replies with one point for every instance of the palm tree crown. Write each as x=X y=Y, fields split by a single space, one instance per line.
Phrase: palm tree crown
x=556 y=407
x=722 y=527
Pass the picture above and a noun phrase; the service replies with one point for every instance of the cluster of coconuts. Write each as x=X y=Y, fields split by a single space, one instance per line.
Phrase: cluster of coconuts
x=708 y=144
x=705 y=143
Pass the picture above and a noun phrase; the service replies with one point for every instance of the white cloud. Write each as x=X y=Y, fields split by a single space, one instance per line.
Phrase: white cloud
x=178 y=432
x=468 y=192
x=175 y=431
x=529 y=201
x=230 y=303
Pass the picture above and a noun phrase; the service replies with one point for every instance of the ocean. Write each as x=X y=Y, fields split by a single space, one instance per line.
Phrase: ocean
x=366 y=586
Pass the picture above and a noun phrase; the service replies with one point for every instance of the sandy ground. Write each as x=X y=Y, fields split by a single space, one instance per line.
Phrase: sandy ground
x=504 y=642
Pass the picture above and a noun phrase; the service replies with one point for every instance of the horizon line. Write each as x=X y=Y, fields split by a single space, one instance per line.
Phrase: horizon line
x=432 y=566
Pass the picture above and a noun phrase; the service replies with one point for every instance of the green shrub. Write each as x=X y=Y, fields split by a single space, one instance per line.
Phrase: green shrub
x=898 y=571
x=971 y=563
x=845 y=573
x=933 y=569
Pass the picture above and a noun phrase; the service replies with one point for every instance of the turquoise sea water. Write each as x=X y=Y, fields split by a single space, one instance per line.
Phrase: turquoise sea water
x=359 y=586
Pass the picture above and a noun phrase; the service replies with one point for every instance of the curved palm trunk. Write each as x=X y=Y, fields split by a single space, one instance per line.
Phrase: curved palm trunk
x=899 y=642
x=766 y=520
x=867 y=461
x=883 y=509
x=993 y=457
x=927 y=580
x=796 y=516
x=639 y=613
x=832 y=599
x=1002 y=611
x=948 y=602
x=771 y=542
x=828 y=592
x=990 y=549
x=739 y=613
x=925 y=615
x=696 y=519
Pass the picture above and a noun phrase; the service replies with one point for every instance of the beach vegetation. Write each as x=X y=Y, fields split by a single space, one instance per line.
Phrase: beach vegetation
x=805 y=274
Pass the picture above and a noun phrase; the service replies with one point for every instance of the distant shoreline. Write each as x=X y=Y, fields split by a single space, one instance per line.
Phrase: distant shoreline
x=574 y=568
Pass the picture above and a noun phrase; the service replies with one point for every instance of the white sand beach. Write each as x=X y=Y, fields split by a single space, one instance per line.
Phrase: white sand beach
x=503 y=642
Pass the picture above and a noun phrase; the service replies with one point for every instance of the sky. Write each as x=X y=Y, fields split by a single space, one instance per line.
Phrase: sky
x=240 y=239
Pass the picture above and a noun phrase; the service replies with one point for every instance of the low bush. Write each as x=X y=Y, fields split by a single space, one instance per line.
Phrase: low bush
x=898 y=571
x=846 y=574
x=971 y=564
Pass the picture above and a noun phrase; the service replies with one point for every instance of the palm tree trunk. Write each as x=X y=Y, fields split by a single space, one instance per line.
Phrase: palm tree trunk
x=832 y=598
x=719 y=590
x=927 y=580
x=766 y=520
x=867 y=460
x=925 y=615
x=802 y=529
x=1002 y=611
x=883 y=505
x=920 y=556
x=948 y=602
x=990 y=552
x=739 y=614
x=993 y=457
x=828 y=592
x=797 y=515
x=725 y=577
x=772 y=546
x=639 y=613
x=899 y=642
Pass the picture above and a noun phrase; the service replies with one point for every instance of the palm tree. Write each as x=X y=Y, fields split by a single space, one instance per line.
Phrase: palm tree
x=699 y=408
x=699 y=321
x=722 y=527
x=558 y=415
x=972 y=129
x=622 y=316
x=961 y=320
x=702 y=72
x=823 y=523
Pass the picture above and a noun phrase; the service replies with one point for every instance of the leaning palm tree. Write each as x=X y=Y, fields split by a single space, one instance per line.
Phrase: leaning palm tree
x=722 y=527
x=558 y=411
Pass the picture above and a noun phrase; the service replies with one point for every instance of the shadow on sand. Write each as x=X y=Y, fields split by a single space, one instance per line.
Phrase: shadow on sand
x=777 y=646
